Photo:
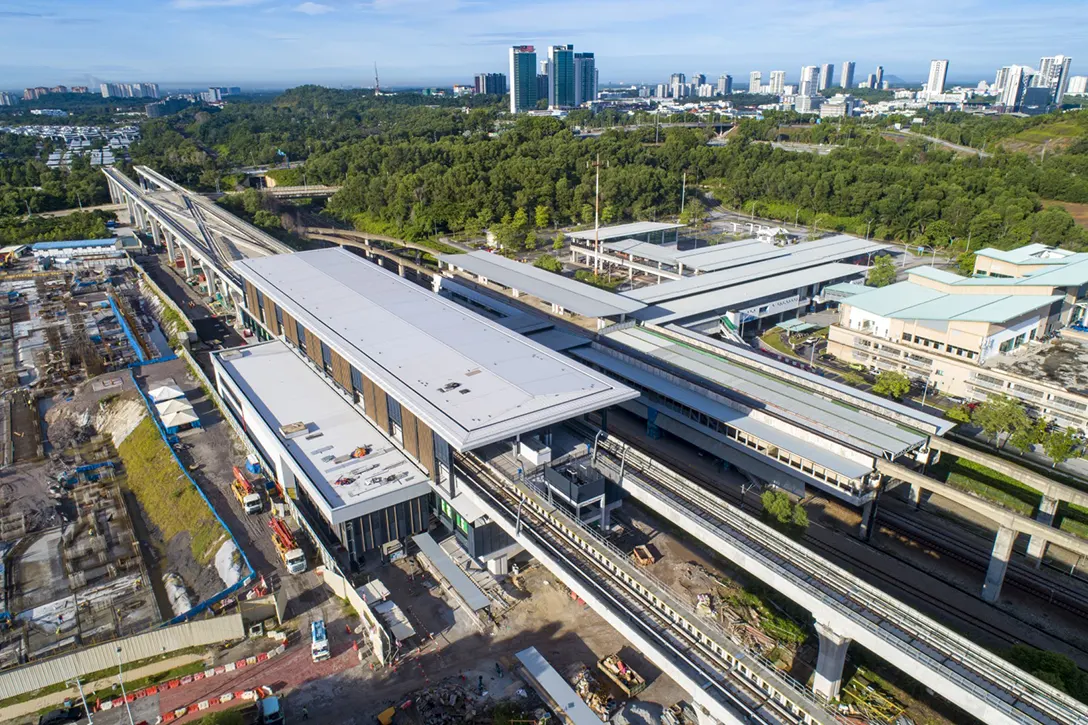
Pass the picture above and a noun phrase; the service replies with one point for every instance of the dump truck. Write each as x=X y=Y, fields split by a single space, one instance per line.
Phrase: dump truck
x=246 y=493
x=629 y=681
x=288 y=548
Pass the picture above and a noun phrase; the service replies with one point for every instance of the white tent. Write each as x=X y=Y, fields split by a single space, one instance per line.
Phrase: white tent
x=165 y=390
x=179 y=418
x=173 y=406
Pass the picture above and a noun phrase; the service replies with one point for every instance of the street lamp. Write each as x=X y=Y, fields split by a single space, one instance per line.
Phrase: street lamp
x=868 y=226
x=124 y=696
x=83 y=699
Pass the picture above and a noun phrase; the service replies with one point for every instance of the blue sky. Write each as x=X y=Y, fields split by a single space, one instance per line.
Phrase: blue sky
x=278 y=43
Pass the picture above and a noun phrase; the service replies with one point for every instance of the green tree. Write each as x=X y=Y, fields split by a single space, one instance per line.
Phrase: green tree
x=966 y=264
x=999 y=414
x=520 y=221
x=1060 y=445
x=1051 y=667
x=891 y=384
x=960 y=414
x=883 y=272
x=548 y=262
x=780 y=511
x=543 y=216
x=1028 y=434
x=557 y=245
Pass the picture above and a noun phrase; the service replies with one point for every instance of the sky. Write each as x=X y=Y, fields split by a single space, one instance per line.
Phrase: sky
x=278 y=43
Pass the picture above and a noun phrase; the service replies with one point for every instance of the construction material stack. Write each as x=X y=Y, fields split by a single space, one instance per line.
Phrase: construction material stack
x=629 y=681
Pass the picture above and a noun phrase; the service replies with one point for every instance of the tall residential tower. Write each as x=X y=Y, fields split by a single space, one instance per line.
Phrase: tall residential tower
x=827 y=76
x=848 y=75
x=585 y=78
x=523 y=94
x=561 y=76
x=1054 y=74
x=938 y=72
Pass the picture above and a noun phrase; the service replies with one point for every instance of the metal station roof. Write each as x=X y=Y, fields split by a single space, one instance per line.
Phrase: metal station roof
x=716 y=300
x=784 y=260
x=578 y=297
x=1028 y=254
x=666 y=254
x=725 y=256
x=74 y=244
x=446 y=566
x=911 y=301
x=836 y=421
x=282 y=389
x=724 y=413
x=621 y=231
x=413 y=343
x=572 y=708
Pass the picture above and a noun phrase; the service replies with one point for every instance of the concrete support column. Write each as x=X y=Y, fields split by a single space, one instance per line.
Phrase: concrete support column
x=171 y=249
x=131 y=210
x=999 y=563
x=188 y=257
x=915 y=495
x=868 y=519
x=1048 y=507
x=113 y=191
x=156 y=232
x=830 y=663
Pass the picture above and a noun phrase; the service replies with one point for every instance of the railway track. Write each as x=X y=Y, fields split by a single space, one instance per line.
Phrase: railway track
x=641 y=608
x=886 y=621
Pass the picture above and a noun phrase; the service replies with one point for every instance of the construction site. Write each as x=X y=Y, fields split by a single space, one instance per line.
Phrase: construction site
x=74 y=569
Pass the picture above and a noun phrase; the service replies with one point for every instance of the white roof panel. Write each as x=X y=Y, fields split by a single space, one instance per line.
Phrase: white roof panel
x=283 y=390
x=578 y=297
x=622 y=231
x=414 y=343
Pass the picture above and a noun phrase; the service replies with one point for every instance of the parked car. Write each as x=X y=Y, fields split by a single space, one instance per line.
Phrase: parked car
x=270 y=710
x=73 y=713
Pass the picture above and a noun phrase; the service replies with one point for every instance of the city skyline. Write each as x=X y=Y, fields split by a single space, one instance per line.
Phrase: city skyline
x=273 y=44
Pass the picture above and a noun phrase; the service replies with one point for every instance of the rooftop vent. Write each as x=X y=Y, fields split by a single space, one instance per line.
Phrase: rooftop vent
x=293 y=430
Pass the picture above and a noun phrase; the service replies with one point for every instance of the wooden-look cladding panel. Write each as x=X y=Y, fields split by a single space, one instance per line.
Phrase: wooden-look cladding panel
x=289 y=330
x=426 y=447
x=381 y=409
x=313 y=348
x=408 y=432
x=368 y=399
x=341 y=371
x=270 y=316
x=251 y=299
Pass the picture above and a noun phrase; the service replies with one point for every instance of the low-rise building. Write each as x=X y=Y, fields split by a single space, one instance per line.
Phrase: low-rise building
x=970 y=337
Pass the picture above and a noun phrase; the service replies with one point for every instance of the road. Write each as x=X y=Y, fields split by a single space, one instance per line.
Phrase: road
x=212 y=330
x=942 y=142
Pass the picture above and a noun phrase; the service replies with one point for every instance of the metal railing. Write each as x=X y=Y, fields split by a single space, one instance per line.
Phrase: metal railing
x=853 y=598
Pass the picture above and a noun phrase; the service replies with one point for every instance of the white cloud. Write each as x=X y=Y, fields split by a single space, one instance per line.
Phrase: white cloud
x=200 y=4
x=311 y=8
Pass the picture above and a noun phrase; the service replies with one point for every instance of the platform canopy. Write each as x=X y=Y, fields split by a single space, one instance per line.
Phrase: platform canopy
x=165 y=390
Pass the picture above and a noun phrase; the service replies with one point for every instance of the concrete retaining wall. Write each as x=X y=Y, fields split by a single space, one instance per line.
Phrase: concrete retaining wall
x=155 y=643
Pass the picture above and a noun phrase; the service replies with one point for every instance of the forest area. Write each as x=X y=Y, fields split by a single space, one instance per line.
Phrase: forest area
x=418 y=167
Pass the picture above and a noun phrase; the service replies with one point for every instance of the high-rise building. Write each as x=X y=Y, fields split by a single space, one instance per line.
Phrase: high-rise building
x=1018 y=80
x=663 y=90
x=810 y=80
x=1001 y=79
x=490 y=83
x=755 y=78
x=778 y=82
x=698 y=79
x=827 y=76
x=8 y=99
x=677 y=78
x=33 y=94
x=1078 y=86
x=725 y=85
x=542 y=87
x=1054 y=74
x=523 y=84
x=585 y=78
x=848 y=74
x=938 y=72
x=129 y=90
x=561 y=76
x=879 y=75
x=870 y=81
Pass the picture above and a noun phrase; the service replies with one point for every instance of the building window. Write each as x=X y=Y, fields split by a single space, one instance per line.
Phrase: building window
x=260 y=306
x=441 y=457
x=395 y=423
x=326 y=358
x=357 y=386
x=300 y=333
x=279 y=320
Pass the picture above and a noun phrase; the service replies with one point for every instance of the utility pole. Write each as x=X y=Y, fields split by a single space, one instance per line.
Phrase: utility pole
x=597 y=218
x=683 y=192
x=377 y=83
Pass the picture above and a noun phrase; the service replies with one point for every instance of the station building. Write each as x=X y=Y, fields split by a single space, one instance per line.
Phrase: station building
x=368 y=390
x=971 y=337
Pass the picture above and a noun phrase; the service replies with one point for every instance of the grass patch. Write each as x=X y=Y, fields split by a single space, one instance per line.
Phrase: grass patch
x=170 y=501
x=986 y=483
x=774 y=340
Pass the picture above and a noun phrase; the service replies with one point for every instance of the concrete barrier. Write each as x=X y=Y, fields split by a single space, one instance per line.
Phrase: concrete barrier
x=198 y=633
